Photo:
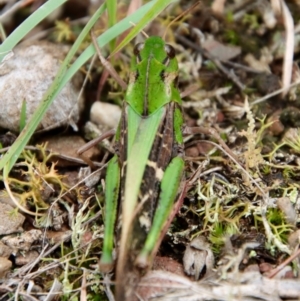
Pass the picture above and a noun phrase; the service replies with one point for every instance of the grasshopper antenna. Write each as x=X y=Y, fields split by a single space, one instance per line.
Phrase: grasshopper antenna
x=179 y=16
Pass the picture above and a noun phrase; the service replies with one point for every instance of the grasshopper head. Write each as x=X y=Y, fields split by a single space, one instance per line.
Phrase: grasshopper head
x=154 y=47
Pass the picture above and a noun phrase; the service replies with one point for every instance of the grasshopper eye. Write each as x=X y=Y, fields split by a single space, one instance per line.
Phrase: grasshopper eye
x=137 y=48
x=170 y=51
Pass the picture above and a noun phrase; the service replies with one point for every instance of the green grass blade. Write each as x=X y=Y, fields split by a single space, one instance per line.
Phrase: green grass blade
x=156 y=9
x=22 y=30
x=12 y=155
x=105 y=38
x=112 y=18
x=23 y=115
x=63 y=77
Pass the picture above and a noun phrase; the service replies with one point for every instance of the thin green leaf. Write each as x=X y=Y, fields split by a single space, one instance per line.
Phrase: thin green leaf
x=23 y=29
x=112 y=18
x=23 y=115
x=12 y=155
x=102 y=40
x=156 y=9
x=63 y=77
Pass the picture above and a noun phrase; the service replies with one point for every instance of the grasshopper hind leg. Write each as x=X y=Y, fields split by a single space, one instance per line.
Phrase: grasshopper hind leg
x=169 y=188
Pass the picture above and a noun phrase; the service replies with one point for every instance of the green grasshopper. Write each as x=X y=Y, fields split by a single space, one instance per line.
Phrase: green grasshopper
x=145 y=178
x=147 y=170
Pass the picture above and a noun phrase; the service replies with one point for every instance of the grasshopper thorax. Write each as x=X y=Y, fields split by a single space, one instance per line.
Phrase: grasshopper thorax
x=153 y=73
